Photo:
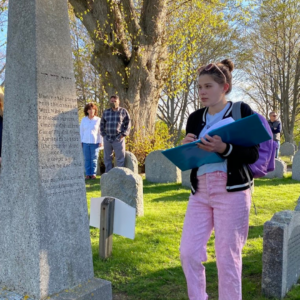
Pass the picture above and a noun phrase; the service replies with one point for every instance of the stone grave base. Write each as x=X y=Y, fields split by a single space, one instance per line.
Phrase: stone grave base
x=93 y=289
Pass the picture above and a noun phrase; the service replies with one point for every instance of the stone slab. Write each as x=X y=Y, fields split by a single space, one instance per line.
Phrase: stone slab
x=296 y=166
x=185 y=178
x=131 y=162
x=280 y=169
x=92 y=289
x=297 y=208
x=45 y=240
x=160 y=170
x=123 y=184
x=281 y=259
x=287 y=149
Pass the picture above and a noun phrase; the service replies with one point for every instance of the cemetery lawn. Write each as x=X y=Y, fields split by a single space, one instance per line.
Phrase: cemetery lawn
x=148 y=267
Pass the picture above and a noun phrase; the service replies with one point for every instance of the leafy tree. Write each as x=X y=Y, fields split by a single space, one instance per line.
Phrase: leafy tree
x=132 y=40
x=197 y=33
x=88 y=81
x=129 y=51
x=273 y=67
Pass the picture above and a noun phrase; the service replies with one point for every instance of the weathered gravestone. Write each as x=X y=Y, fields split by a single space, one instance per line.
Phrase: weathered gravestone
x=287 y=149
x=297 y=208
x=296 y=166
x=185 y=176
x=123 y=184
x=295 y=145
x=45 y=247
x=159 y=169
x=131 y=162
x=279 y=171
x=281 y=253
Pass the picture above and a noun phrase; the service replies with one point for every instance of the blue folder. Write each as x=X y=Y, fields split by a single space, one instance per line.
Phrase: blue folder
x=245 y=132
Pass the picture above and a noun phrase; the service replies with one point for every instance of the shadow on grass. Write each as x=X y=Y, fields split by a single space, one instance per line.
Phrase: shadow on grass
x=178 y=197
x=145 y=273
x=274 y=181
x=255 y=231
x=169 y=282
x=148 y=186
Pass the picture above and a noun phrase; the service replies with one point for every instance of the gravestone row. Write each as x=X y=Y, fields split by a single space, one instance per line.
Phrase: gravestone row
x=287 y=149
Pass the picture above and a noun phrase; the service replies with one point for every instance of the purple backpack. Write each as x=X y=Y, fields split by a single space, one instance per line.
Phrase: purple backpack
x=267 y=149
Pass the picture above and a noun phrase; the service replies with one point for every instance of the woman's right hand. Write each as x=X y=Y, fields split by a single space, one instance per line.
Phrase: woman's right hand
x=190 y=137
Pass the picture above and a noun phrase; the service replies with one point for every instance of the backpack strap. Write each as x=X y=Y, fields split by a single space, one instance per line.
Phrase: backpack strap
x=236 y=110
x=236 y=115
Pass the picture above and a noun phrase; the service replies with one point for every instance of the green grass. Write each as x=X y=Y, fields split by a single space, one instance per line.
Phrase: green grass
x=148 y=267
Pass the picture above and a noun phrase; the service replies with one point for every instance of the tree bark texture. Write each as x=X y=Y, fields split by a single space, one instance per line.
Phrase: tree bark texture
x=129 y=53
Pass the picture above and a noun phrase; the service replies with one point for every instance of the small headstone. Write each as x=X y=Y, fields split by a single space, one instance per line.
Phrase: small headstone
x=280 y=169
x=185 y=176
x=281 y=259
x=297 y=208
x=123 y=184
x=296 y=166
x=287 y=149
x=160 y=170
x=131 y=162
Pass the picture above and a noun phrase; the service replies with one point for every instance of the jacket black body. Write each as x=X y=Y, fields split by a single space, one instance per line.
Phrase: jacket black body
x=237 y=156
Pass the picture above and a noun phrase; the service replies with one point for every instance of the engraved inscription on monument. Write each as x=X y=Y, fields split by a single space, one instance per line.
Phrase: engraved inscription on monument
x=58 y=140
x=293 y=269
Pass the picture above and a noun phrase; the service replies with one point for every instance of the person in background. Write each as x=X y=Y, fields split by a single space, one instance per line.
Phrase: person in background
x=115 y=125
x=275 y=125
x=91 y=139
x=1 y=120
x=221 y=194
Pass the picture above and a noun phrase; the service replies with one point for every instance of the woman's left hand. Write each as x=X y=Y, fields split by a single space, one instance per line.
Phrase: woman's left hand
x=212 y=144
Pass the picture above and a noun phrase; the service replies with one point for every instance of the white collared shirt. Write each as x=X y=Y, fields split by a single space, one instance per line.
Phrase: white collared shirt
x=90 y=130
x=211 y=120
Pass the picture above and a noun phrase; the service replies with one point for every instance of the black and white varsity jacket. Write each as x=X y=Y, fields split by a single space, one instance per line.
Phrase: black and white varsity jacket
x=237 y=156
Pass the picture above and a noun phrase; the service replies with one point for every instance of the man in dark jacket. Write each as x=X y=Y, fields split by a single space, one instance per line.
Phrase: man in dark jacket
x=276 y=128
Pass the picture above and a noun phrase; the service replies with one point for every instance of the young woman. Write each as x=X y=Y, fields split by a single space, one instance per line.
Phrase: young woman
x=91 y=139
x=221 y=196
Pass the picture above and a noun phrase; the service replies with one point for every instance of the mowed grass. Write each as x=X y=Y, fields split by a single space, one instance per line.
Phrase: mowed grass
x=148 y=267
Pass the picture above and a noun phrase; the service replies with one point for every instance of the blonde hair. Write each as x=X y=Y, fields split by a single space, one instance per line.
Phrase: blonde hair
x=1 y=102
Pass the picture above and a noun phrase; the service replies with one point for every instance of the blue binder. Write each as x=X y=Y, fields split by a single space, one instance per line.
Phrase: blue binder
x=245 y=132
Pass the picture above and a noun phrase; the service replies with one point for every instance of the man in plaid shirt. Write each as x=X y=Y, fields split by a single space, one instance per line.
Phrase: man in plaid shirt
x=114 y=126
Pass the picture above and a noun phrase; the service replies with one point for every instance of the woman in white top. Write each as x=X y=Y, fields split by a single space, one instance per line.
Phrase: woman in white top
x=91 y=139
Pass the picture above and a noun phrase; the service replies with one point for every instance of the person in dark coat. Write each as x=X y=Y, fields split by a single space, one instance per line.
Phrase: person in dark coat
x=275 y=125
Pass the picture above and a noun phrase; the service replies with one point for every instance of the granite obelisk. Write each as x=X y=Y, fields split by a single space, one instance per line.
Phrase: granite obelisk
x=45 y=244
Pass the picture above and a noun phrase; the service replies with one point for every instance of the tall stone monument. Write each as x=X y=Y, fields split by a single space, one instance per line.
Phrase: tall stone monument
x=45 y=247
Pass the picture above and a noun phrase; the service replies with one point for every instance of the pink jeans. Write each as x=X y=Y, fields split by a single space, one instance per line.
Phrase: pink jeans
x=228 y=213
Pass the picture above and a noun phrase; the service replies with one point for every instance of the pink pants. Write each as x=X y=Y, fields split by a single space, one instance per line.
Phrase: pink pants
x=228 y=213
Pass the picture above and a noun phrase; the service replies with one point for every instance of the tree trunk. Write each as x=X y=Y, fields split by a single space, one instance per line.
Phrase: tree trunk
x=129 y=53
